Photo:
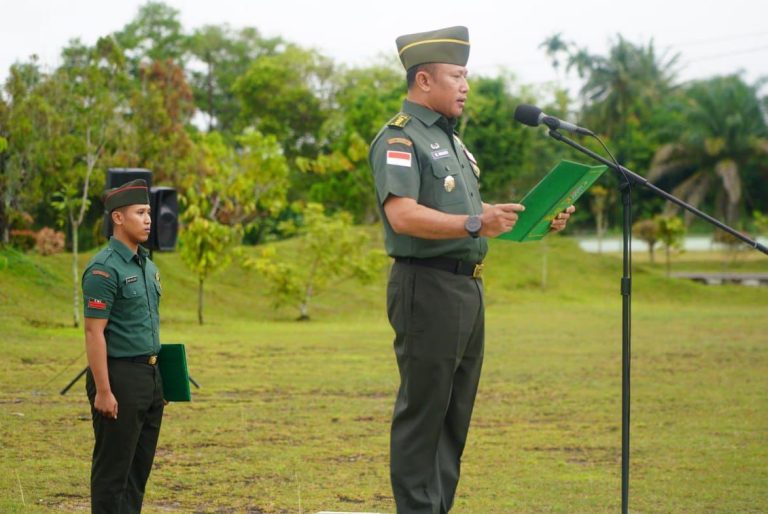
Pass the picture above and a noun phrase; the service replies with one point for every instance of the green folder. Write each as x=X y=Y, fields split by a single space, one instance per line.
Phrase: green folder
x=560 y=188
x=172 y=361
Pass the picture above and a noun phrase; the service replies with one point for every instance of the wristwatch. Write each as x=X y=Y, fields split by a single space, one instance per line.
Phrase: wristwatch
x=473 y=225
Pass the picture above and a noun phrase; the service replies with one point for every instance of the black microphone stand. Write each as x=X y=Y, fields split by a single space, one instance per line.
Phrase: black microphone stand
x=630 y=178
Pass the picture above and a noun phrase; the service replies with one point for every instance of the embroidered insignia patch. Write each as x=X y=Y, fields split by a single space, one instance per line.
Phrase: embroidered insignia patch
x=440 y=154
x=93 y=303
x=132 y=279
x=449 y=184
x=434 y=146
x=399 y=141
x=100 y=273
x=400 y=120
x=395 y=158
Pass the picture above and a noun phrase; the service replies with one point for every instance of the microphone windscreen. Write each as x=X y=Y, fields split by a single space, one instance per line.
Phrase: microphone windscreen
x=527 y=115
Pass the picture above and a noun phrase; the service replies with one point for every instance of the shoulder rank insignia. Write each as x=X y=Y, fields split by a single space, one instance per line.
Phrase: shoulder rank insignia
x=400 y=120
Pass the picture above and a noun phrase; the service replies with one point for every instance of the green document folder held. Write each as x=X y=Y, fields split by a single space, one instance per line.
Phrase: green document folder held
x=172 y=361
x=560 y=188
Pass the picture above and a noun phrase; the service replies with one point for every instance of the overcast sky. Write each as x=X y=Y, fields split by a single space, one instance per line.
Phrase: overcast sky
x=714 y=37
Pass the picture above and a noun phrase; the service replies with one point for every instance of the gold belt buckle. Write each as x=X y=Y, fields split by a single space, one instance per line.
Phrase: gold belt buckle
x=152 y=360
x=478 y=271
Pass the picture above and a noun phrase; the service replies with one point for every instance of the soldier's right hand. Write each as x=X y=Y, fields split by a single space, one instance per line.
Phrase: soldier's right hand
x=106 y=404
x=499 y=218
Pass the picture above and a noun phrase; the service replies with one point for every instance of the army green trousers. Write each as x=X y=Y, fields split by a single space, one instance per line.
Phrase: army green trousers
x=438 y=318
x=125 y=447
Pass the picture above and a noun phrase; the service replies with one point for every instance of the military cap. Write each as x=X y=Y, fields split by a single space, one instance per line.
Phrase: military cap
x=130 y=193
x=449 y=45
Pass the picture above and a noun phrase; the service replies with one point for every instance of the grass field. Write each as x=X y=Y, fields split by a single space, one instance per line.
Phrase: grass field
x=294 y=417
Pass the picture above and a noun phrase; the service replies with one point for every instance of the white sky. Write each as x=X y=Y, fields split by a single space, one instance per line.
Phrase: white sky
x=714 y=37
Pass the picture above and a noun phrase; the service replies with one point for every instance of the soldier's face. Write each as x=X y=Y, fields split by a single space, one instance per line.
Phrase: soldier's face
x=134 y=222
x=449 y=89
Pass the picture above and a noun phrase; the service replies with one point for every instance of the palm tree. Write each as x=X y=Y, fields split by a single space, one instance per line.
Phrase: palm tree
x=723 y=128
x=618 y=86
x=554 y=46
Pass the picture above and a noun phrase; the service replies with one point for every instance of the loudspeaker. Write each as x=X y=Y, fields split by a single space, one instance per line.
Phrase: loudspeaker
x=165 y=219
x=162 y=200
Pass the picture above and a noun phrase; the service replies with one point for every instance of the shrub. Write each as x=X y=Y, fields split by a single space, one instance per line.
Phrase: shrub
x=23 y=239
x=49 y=241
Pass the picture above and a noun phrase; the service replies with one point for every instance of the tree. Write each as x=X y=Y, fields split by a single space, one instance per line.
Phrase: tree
x=85 y=97
x=760 y=222
x=286 y=95
x=329 y=248
x=671 y=231
x=722 y=132
x=155 y=34
x=648 y=231
x=623 y=84
x=158 y=139
x=553 y=47
x=225 y=55
x=341 y=178
x=233 y=187
x=205 y=247
x=598 y=202
x=22 y=117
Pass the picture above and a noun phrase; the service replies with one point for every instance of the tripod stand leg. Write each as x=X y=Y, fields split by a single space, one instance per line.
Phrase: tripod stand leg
x=194 y=382
x=64 y=391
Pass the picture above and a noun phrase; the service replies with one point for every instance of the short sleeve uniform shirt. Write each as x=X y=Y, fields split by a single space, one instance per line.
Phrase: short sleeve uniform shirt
x=418 y=155
x=124 y=288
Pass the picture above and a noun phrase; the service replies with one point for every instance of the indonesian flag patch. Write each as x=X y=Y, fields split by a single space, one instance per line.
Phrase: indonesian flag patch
x=97 y=304
x=396 y=158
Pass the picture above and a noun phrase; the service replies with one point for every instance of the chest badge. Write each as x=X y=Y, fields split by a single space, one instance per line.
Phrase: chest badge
x=434 y=146
x=450 y=183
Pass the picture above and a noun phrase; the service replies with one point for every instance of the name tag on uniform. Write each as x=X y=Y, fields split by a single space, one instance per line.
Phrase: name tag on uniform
x=132 y=279
x=440 y=154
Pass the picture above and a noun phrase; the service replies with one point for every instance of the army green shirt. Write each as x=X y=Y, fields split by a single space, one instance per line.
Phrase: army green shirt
x=124 y=287
x=418 y=155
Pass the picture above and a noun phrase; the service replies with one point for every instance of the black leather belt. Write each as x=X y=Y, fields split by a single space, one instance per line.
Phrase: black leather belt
x=142 y=359
x=456 y=266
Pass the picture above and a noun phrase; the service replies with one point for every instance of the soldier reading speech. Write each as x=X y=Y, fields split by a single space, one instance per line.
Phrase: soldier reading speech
x=436 y=225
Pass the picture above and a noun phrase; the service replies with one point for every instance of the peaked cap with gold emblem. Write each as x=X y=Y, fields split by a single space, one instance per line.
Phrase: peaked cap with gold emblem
x=449 y=45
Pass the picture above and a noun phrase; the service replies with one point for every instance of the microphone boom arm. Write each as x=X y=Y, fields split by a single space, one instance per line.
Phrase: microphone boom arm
x=637 y=179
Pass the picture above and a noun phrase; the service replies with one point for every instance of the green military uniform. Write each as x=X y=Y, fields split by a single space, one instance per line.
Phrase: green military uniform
x=434 y=303
x=124 y=287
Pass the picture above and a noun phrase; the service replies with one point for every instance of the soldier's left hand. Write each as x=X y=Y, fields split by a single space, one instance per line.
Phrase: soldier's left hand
x=561 y=219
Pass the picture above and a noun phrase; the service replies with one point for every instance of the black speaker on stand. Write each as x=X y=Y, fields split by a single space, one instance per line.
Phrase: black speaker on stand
x=163 y=201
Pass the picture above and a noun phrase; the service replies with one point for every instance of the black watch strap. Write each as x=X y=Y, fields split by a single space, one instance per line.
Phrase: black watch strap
x=473 y=225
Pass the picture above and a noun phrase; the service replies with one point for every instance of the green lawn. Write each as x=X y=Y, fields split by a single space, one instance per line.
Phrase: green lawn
x=294 y=417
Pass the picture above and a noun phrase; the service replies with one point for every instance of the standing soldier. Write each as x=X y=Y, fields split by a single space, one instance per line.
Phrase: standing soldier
x=121 y=294
x=435 y=227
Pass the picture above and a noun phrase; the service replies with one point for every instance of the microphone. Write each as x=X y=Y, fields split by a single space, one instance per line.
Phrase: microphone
x=533 y=116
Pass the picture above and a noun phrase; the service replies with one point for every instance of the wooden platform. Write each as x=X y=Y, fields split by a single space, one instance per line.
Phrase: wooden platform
x=716 y=279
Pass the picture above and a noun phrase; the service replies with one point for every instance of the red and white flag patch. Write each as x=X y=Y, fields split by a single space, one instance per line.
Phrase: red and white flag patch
x=396 y=158
x=97 y=304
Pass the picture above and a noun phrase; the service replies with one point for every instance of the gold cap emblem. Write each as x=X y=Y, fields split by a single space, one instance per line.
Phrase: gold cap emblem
x=450 y=183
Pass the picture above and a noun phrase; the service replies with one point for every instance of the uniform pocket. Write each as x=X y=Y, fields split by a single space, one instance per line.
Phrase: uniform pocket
x=448 y=187
x=132 y=291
